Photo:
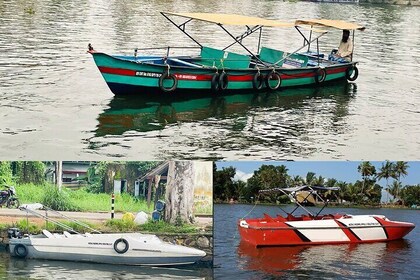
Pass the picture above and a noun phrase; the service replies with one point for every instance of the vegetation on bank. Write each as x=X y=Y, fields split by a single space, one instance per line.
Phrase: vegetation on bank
x=78 y=200
x=115 y=225
x=362 y=192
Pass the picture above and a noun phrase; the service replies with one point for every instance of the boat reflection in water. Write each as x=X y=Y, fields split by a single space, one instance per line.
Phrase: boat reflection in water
x=325 y=261
x=41 y=269
x=149 y=113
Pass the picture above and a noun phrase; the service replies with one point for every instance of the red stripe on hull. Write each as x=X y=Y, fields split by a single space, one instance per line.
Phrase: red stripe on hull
x=350 y=234
x=117 y=71
x=207 y=77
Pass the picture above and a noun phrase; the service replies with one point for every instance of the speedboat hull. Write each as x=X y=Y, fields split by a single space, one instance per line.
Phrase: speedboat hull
x=327 y=229
x=127 y=249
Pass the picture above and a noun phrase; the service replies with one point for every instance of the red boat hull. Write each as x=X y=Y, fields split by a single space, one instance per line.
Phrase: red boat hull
x=327 y=229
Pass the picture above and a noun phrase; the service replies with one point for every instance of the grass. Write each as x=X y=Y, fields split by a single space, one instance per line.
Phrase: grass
x=78 y=200
x=81 y=200
x=115 y=225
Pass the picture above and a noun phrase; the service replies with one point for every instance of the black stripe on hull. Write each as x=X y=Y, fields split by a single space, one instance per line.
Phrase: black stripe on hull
x=301 y=236
x=298 y=233
x=383 y=227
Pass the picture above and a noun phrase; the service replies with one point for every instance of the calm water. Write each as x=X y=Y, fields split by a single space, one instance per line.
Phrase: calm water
x=14 y=268
x=54 y=103
x=236 y=260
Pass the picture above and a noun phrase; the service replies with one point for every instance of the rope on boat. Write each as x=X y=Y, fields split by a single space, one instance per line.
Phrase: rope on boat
x=256 y=201
x=221 y=64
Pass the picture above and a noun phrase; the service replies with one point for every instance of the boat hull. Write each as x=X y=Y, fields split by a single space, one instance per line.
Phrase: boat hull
x=131 y=76
x=344 y=230
x=146 y=250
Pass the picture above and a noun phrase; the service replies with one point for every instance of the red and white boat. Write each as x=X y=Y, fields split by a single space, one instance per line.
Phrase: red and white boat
x=314 y=229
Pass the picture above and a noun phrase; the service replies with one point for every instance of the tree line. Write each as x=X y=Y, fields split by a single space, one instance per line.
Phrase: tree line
x=366 y=191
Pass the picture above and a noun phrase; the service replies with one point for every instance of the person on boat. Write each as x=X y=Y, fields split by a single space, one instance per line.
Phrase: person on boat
x=345 y=49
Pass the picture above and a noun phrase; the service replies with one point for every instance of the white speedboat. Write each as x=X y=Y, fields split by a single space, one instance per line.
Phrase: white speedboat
x=116 y=248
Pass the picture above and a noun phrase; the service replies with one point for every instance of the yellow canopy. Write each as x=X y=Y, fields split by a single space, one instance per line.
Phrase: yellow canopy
x=339 y=24
x=232 y=19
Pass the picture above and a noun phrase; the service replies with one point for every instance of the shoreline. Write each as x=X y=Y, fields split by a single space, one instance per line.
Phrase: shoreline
x=386 y=206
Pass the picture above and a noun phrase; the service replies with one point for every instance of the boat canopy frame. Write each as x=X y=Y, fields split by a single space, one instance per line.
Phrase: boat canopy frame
x=326 y=23
x=237 y=39
x=255 y=24
x=291 y=193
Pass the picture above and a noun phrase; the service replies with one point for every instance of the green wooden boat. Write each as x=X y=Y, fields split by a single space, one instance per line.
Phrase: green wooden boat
x=219 y=70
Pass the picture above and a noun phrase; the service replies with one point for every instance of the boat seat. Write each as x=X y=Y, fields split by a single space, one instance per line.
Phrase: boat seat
x=306 y=218
x=56 y=235
x=268 y=218
x=271 y=56
x=295 y=61
x=67 y=234
x=223 y=59
x=47 y=233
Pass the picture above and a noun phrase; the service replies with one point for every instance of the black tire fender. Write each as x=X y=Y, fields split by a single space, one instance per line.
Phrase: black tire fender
x=258 y=81
x=215 y=82
x=171 y=77
x=118 y=241
x=355 y=73
x=223 y=81
x=320 y=75
x=20 y=251
x=273 y=76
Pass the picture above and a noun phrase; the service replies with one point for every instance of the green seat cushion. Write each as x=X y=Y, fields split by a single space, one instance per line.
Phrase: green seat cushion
x=223 y=59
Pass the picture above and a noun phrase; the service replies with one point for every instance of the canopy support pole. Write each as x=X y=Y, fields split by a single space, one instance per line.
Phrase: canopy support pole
x=325 y=204
x=309 y=42
x=240 y=43
x=182 y=28
x=248 y=32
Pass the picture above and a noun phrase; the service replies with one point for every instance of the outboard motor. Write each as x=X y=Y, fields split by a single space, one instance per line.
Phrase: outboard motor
x=14 y=233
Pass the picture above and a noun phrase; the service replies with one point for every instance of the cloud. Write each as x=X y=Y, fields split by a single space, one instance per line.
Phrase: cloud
x=242 y=176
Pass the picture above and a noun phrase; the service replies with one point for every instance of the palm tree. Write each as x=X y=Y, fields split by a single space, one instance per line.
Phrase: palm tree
x=343 y=190
x=295 y=181
x=394 y=189
x=310 y=178
x=367 y=170
x=319 y=181
x=400 y=169
x=386 y=171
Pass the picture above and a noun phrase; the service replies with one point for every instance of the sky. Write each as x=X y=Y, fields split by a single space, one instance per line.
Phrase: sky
x=341 y=170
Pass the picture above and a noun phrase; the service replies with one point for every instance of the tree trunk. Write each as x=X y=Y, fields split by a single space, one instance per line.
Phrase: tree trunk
x=179 y=195
x=59 y=174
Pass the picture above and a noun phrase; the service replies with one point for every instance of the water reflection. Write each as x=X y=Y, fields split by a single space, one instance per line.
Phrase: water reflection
x=353 y=260
x=37 y=269
x=148 y=113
